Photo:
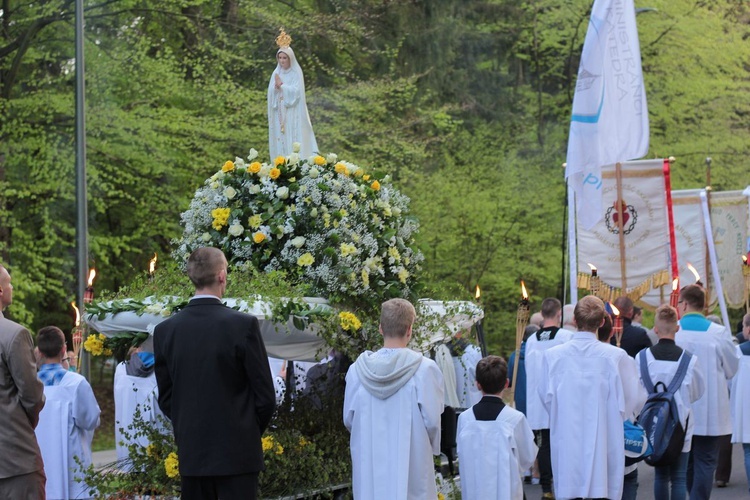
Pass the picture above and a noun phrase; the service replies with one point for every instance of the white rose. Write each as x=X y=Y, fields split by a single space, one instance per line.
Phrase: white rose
x=296 y=146
x=298 y=241
x=313 y=173
x=254 y=189
x=215 y=185
x=230 y=192
x=293 y=158
x=206 y=237
x=314 y=212
x=282 y=193
x=236 y=229
x=332 y=157
x=253 y=154
x=166 y=312
x=239 y=162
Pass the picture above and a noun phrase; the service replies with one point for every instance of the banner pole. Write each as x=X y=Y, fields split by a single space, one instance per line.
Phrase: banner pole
x=572 y=247
x=708 y=236
x=670 y=220
x=620 y=226
x=712 y=257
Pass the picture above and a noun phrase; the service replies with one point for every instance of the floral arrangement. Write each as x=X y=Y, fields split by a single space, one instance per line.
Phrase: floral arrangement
x=325 y=222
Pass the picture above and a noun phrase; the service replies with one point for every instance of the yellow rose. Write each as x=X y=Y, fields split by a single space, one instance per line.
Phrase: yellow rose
x=319 y=160
x=228 y=166
x=274 y=173
x=172 y=465
x=254 y=167
x=280 y=160
x=375 y=185
x=366 y=177
x=340 y=168
x=259 y=237
x=267 y=443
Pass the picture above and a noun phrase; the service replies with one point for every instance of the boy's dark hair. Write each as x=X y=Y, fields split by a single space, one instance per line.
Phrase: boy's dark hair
x=550 y=307
x=50 y=340
x=694 y=296
x=605 y=331
x=492 y=374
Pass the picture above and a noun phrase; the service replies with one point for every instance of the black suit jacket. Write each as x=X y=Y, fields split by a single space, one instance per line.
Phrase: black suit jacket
x=634 y=338
x=215 y=385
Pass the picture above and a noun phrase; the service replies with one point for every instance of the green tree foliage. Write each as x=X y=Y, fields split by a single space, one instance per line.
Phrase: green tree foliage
x=466 y=103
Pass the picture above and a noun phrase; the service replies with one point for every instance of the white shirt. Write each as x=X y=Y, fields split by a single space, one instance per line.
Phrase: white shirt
x=740 y=401
x=535 y=349
x=494 y=454
x=589 y=388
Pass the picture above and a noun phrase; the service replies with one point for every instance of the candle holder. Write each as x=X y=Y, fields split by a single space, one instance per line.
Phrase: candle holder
x=616 y=324
x=77 y=335
x=595 y=285
x=522 y=319
x=746 y=275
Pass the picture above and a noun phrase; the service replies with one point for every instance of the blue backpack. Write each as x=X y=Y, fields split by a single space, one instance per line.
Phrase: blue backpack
x=659 y=416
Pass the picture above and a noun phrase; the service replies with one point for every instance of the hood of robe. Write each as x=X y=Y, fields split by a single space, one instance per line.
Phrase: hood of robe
x=383 y=374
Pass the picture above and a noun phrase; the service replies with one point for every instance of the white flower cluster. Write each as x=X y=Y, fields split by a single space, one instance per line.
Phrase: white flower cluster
x=326 y=222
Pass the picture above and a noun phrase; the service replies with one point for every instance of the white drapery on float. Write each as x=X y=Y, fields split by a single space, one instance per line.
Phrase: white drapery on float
x=285 y=341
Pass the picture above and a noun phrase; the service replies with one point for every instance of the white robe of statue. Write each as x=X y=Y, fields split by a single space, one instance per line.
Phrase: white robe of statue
x=65 y=430
x=589 y=389
x=740 y=400
x=494 y=455
x=288 y=119
x=393 y=439
x=130 y=393
x=466 y=376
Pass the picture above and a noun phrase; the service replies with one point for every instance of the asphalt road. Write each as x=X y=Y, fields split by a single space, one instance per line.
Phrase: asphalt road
x=736 y=489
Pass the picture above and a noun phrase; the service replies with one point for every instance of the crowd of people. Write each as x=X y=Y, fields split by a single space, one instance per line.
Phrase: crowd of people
x=577 y=384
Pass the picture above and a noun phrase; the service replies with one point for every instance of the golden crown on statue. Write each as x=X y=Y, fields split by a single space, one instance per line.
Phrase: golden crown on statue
x=283 y=40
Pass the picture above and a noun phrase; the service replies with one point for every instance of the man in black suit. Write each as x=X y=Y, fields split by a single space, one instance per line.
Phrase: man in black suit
x=215 y=385
x=634 y=338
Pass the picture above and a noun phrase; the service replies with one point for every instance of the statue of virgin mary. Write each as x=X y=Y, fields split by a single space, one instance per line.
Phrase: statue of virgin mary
x=288 y=119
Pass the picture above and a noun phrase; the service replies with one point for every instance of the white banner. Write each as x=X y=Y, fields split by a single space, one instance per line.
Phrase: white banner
x=645 y=232
x=609 y=122
x=729 y=221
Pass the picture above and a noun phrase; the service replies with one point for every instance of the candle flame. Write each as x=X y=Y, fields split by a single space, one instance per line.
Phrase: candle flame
x=92 y=275
x=152 y=264
x=614 y=309
x=524 y=294
x=675 y=284
x=592 y=266
x=78 y=313
x=744 y=259
x=694 y=271
x=478 y=293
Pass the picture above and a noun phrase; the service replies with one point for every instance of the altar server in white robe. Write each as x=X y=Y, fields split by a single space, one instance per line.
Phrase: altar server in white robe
x=135 y=389
x=67 y=422
x=740 y=396
x=495 y=442
x=392 y=407
x=718 y=361
x=589 y=389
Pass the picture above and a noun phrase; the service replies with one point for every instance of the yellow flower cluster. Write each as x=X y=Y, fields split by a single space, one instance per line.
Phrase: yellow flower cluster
x=269 y=443
x=95 y=345
x=340 y=168
x=150 y=450
x=306 y=259
x=171 y=465
x=403 y=274
x=221 y=217
x=227 y=167
x=320 y=161
x=349 y=321
x=441 y=496
x=347 y=249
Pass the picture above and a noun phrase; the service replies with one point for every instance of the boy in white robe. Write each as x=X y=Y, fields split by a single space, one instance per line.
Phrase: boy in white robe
x=495 y=442
x=718 y=361
x=70 y=405
x=740 y=396
x=663 y=360
x=135 y=388
x=589 y=388
x=392 y=407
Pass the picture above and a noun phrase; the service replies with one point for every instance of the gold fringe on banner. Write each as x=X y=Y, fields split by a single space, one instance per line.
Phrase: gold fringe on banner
x=609 y=293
